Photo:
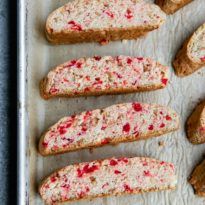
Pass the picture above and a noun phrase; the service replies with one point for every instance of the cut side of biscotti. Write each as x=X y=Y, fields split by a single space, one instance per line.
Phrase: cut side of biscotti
x=102 y=20
x=196 y=125
x=171 y=6
x=197 y=179
x=192 y=55
x=104 y=75
x=112 y=125
x=115 y=176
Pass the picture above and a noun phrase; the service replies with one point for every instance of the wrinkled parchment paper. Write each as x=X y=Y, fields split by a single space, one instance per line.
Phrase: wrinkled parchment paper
x=181 y=94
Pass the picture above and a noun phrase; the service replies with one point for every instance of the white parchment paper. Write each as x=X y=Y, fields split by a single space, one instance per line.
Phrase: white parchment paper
x=181 y=94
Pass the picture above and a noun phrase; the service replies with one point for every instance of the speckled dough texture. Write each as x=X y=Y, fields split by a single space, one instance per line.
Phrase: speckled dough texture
x=115 y=176
x=104 y=75
x=197 y=179
x=196 y=125
x=118 y=123
x=192 y=55
x=171 y=6
x=102 y=20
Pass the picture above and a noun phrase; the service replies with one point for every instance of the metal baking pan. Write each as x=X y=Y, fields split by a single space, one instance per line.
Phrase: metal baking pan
x=37 y=57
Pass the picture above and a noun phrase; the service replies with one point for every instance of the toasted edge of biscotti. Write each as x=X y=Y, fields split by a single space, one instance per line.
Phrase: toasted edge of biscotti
x=183 y=63
x=197 y=179
x=47 y=96
x=170 y=6
x=111 y=193
x=122 y=139
x=194 y=123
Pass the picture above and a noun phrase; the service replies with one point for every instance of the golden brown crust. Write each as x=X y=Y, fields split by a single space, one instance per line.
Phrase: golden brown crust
x=183 y=65
x=170 y=6
x=97 y=35
x=197 y=179
x=116 y=91
x=120 y=194
x=193 y=124
x=113 y=142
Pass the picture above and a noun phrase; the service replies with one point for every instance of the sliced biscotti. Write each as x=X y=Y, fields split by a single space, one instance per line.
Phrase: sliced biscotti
x=198 y=179
x=171 y=6
x=104 y=75
x=192 y=55
x=114 y=124
x=115 y=176
x=102 y=20
x=196 y=125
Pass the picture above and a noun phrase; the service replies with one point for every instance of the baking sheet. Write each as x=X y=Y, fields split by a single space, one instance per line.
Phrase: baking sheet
x=181 y=94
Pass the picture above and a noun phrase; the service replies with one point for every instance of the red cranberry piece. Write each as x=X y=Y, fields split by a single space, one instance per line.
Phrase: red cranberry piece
x=168 y=118
x=129 y=61
x=105 y=141
x=79 y=65
x=202 y=58
x=75 y=26
x=53 y=90
x=127 y=188
x=97 y=58
x=162 y=125
x=162 y=163
x=164 y=81
x=53 y=179
x=72 y=63
x=45 y=144
x=137 y=107
x=151 y=127
x=110 y=14
x=126 y=127
x=129 y=14
x=104 y=42
x=113 y=162
x=117 y=172
x=147 y=174
x=123 y=159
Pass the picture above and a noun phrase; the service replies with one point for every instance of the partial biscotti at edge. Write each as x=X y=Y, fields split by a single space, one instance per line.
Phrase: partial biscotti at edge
x=118 y=123
x=104 y=75
x=192 y=55
x=197 y=179
x=196 y=125
x=102 y=20
x=171 y=6
x=115 y=176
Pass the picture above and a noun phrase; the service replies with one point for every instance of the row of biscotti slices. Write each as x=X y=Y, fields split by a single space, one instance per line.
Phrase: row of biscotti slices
x=115 y=124
x=111 y=75
x=76 y=22
x=81 y=21
x=195 y=128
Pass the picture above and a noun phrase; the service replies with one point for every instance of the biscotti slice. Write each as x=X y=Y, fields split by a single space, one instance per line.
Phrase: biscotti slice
x=196 y=125
x=102 y=20
x=114 y=124
x=104 y=75
x=171 y=6
x=192 y=55
x=115 y=176
x=198 y=179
